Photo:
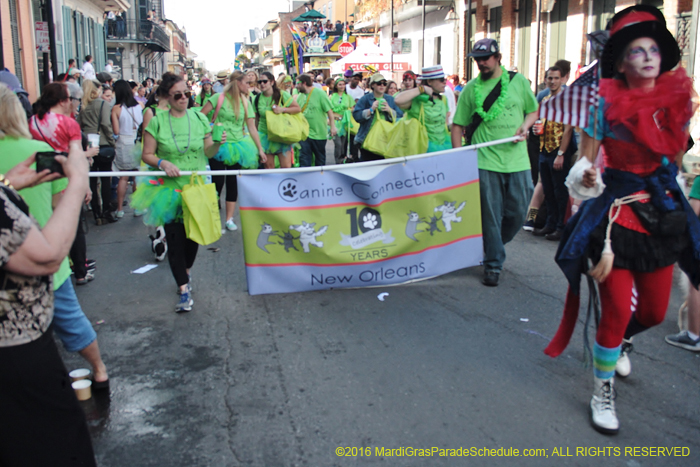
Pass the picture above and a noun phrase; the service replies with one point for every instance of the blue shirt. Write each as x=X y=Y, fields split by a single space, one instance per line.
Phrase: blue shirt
x=365 y=103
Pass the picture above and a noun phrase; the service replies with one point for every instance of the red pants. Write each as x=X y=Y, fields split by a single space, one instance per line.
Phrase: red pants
x=654 y=290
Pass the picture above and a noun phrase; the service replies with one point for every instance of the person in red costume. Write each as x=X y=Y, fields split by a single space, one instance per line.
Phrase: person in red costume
x=636 y=222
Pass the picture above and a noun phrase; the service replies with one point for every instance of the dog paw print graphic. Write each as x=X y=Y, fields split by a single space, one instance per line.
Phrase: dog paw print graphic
x=369 y=221
x=287 y=189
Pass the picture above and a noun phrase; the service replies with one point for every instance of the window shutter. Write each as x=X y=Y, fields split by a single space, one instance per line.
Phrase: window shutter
x=68 y=37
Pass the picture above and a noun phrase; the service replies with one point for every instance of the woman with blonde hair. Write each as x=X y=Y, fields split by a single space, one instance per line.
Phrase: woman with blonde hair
x=285 y=83
x=252 y=77
x=235 y=113
x=96 y=117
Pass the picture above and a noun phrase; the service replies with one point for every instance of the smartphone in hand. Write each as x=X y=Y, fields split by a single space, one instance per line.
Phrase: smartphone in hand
x=47 y=160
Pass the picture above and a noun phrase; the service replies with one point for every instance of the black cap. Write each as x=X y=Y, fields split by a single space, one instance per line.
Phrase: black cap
x=484 y=48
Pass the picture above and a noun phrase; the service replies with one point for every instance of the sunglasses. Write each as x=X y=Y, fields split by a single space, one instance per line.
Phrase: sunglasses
x=263 y=81
x=179 y=95
x=381 y=83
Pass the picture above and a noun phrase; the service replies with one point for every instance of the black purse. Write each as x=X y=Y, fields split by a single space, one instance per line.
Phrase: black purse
x=658 y=223
x=107 y=153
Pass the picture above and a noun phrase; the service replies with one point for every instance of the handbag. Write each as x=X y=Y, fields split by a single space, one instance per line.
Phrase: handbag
x=107 y=153
x=659 y=223
x=408 y=137
x=377 y=140
x=200 y=211
x=288 y=128
x=470 y=129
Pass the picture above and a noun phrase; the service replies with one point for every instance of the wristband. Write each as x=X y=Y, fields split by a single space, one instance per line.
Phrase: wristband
x=159 y=162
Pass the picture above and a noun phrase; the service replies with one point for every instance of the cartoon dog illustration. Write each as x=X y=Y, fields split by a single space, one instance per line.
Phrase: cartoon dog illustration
x=288 y=241
x=307 y=235
x=412 y=225
x=264 y=237
x=449 y=213
x=433 y=225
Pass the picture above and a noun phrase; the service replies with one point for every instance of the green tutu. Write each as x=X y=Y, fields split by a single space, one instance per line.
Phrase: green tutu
x=272 y=147
x=243 y=152
x=160 y=199
x=435 y=147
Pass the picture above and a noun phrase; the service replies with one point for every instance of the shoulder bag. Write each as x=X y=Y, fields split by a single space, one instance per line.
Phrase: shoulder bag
x=288 y=128
x=106 y=154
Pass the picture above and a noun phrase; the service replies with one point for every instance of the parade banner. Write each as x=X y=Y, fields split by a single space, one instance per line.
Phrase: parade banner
x=361 y=226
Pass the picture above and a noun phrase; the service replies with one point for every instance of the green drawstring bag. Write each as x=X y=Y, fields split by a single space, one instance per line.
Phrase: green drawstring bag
x=408 y=137
x=377 y=140
x=200 y=211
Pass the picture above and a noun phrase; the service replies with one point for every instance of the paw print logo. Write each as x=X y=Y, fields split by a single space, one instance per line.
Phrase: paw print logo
x=369 y=221
x=287 y=189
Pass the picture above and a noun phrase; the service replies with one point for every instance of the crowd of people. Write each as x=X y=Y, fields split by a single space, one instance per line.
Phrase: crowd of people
x=609 y=191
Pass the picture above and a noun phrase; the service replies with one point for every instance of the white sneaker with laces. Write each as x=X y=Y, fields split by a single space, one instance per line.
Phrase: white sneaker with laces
x=602 y=407
x=120 y=214
x=230 y=225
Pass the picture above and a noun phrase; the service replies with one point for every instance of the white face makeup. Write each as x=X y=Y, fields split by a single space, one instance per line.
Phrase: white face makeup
x=641 y=60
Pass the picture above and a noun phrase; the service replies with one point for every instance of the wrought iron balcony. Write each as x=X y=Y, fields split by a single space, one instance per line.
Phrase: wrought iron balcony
x=148 y=32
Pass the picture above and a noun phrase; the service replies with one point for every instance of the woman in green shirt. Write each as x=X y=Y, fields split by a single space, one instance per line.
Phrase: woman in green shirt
x=341 y=102
x=272 y=99
x=241 y=150
x=204 y=94
x=182 y=140
x=427 y=98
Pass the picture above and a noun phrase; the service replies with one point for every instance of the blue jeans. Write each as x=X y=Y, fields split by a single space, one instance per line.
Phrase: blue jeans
x=504 y=201
x=310 y=149
x=69 y=322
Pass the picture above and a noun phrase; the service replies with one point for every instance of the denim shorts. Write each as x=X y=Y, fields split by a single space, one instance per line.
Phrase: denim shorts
x=69 y=322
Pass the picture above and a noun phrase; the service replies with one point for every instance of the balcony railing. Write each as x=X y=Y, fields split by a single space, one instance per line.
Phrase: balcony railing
x=138 y=30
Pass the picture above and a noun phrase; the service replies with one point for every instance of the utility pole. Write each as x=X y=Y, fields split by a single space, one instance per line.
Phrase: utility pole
x=48 y=14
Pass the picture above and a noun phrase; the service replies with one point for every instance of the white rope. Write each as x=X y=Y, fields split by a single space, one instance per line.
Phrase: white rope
x=297 y=170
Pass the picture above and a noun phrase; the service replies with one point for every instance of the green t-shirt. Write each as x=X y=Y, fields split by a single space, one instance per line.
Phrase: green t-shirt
x=265 y=104
x=185 y=131
x=434 y=116
x=38 y=198
x=316 y=112
x=341 y=103
x=234 y=127
x=504 y=158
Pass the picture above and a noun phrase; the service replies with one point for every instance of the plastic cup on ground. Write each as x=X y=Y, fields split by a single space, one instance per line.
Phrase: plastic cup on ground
x=93 y=140
x=80 y=373
x=82 y=389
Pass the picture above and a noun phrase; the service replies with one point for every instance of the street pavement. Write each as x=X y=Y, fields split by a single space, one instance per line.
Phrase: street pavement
x=286 y=380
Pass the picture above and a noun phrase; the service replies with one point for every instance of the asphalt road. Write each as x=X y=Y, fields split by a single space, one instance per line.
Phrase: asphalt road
x=286 y=380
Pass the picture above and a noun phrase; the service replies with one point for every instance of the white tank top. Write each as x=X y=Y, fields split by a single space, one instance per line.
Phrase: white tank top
x=129 y=120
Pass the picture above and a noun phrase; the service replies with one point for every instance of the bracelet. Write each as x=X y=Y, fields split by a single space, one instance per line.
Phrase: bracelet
x=159 y=161
x=6 y=182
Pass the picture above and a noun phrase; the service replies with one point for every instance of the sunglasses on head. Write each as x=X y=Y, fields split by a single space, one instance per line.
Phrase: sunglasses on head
x=263 y=81
x=179 y=95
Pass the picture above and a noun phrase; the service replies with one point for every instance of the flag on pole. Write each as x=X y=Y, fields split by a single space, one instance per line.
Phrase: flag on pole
x=295 y=33
x=571 y=106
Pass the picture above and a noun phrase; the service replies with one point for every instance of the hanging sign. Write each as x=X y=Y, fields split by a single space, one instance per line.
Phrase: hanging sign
x=41 y=29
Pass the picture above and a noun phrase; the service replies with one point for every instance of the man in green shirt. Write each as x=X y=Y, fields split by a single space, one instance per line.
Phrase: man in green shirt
x=504 y=170
x=317 y=109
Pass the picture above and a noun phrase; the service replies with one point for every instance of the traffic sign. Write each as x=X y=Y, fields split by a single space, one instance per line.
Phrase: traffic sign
x=42 y=36
x=345 y=48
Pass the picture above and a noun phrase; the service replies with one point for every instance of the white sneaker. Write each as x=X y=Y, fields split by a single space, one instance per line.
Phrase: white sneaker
x=138 y=213
x=623 y=367
x=602 y=407
x=231 y=225
x=120 y=214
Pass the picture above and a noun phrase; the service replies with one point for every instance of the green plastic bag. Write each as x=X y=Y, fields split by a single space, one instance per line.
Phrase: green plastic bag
x=408 y=137
x=200 y=211
x=377 y=140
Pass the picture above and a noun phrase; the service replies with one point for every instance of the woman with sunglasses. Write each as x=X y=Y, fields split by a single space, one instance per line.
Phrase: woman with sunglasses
x=241 y=150
x=182 y=139
x=375 y=101
x=340 y=103
x=427 y=99
x=272 y=99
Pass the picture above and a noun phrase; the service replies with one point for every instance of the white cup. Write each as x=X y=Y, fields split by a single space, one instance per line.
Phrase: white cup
x=82 y=389
x=94 y=140
x=80 y=373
